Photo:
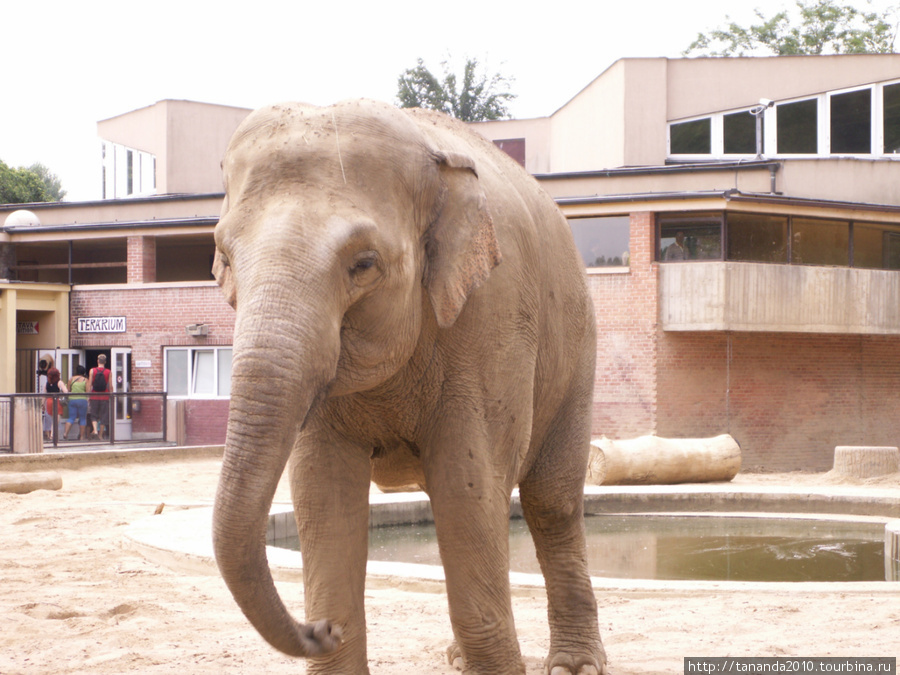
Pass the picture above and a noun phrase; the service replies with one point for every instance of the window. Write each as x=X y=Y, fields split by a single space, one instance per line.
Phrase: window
x=602 y=241
x=820 y=242
x=198 y=372
x=851 y=122
x=757 y=238
x=514 y=147
x=129 y=172
x=772 y=238
x=891 y=117
x=690 y=238
x=739 y=133
x=863 y=121
x=876 y=246
x=797 y=127
x=691 y=138
x=185 y=257
x=126 y=172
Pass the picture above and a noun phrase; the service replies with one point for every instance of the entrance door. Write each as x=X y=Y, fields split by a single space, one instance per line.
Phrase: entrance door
x=121 y=382
x=67 y=360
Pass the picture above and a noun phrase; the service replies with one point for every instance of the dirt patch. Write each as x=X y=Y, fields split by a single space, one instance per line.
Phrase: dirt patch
x=76 y=599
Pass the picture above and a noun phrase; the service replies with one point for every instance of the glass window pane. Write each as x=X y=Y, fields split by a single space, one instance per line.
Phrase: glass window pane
x=891 y=111
x=739 y=131
x=224 y=367
x=820 y=242
x=797 y=127
x=690 y=239
x=602 y=241
x=851 y=122
x=757 y=238
x=876 y=246
x=691 y=138
x=176 y=372
x=204 y=371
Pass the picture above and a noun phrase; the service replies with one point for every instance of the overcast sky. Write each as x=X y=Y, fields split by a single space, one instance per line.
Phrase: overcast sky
x=68 y=65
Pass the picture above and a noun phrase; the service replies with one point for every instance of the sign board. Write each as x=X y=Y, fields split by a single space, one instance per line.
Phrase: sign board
x=143 y=364
x=102 y=324
x=27 y=327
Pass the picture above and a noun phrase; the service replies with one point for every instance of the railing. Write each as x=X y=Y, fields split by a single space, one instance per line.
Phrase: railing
x=23 y=416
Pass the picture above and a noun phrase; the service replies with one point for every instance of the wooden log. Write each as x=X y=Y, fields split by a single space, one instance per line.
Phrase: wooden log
x=651 y=460
x=861 y=461
x=22 y=483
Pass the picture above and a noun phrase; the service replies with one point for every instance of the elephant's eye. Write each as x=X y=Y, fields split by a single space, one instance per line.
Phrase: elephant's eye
x=363 y=262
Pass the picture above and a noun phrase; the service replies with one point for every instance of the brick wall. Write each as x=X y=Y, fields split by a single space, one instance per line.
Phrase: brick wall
x=141 y=260
x=156 y=317
x=626 y=308
x=787 y=398
x=205 y=421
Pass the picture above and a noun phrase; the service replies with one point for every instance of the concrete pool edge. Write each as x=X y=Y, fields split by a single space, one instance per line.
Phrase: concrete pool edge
x=181 y=540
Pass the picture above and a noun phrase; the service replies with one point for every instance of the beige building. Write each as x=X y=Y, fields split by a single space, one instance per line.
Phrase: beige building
x=739 y=221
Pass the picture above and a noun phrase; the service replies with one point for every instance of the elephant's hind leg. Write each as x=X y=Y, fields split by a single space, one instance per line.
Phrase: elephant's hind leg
x=552 y=502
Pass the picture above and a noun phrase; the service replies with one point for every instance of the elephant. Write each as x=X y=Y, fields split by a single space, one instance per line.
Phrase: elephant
x=410 y=309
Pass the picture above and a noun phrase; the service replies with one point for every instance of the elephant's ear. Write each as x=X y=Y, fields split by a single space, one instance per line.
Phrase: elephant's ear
x=461 y=246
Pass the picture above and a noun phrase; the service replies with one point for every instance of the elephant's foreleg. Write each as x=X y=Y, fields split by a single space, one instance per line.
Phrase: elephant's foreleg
x=553 y=505
x=330 y=487
x=471 y=515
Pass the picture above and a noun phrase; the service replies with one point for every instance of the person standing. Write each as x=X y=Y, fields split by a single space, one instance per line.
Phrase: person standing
x=77 y=404
x=53 y=406
x=99 y=405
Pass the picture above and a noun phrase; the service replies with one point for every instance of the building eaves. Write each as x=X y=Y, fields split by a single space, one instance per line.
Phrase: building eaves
x=178 y=197
x=668 y=169
x=114 y=225
x=731 y=195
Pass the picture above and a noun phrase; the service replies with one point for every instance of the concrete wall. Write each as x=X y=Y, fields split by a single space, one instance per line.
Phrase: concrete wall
x=701 y=86
x=537 y=135
x=778 y=298
x=187 y=137
x=589 y=131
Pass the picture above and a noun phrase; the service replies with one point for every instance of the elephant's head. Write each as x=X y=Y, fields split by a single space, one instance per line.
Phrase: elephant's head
x=343 y=232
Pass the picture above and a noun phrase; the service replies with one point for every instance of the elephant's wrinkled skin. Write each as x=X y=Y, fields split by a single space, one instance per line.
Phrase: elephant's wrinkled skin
x=410 y=309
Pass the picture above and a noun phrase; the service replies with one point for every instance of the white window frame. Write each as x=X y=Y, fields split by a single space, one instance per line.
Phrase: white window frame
x=192 y=371
x=770 y=129
x=876 y=126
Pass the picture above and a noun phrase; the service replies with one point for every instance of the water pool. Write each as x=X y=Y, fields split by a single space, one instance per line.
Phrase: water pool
x=710 y=547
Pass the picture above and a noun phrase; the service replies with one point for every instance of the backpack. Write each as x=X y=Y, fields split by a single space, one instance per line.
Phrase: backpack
x=99 y=381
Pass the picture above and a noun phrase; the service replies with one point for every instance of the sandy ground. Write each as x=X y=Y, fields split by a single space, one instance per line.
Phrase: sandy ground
x=75 y=599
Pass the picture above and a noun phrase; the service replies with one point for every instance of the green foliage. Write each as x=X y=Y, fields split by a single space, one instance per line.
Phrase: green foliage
x=822 y=27
x=21 y=186
x=478 y=97
x=52 y=184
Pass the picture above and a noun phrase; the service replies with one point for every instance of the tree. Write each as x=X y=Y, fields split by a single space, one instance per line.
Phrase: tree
x=822 y=27
x=21 y=186
x=479 y=97
x=52 y=184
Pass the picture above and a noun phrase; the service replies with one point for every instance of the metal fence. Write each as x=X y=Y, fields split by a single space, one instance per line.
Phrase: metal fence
x=31 y=422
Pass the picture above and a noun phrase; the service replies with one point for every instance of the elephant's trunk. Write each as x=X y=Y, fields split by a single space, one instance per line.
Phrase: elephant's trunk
x=264 y=418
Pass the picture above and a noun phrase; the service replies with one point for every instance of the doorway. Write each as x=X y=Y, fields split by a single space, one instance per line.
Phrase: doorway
x=120 y=365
